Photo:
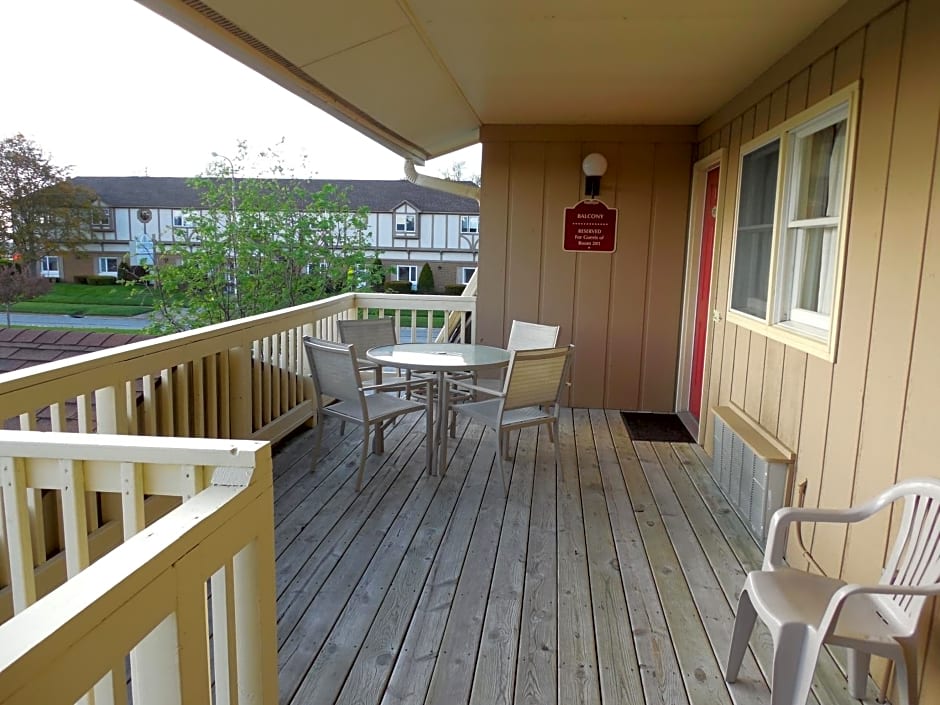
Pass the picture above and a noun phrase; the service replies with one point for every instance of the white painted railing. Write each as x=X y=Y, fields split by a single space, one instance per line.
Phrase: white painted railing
x=242 y=379
x=147 y=599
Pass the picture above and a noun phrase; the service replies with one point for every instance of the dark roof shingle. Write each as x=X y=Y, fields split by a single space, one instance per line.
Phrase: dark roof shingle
x=175 y=192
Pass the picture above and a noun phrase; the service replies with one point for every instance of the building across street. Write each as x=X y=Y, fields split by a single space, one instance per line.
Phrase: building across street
x=408 y=225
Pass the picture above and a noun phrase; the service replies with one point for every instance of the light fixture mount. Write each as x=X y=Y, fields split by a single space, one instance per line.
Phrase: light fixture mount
x=594 y=167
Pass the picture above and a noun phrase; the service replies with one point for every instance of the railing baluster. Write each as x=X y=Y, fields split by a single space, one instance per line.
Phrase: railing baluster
x=241 y=378
x=84 y=413
x=74 y=518
x=198 y=396
x=37 y=524
x=181 y=395
x=226 y=394
x=257 y=407
x=166 y=427
x=130 y=402
x=267 y=382
x=22 y=578
x=150 y=405
x=223 y=632
x=214 y=400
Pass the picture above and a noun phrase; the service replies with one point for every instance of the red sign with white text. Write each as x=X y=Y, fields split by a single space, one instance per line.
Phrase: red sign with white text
x=590 y=226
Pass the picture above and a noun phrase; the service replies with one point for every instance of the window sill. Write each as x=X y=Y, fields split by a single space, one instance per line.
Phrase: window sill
x=790 y=334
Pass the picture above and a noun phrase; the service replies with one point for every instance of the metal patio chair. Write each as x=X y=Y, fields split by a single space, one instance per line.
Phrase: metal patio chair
x=804 y=611
x=335 y=371
x=529 y=397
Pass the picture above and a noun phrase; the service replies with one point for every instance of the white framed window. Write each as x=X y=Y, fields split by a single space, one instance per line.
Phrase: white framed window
x=101 y=218
x=790 y=227
x=108 y=266
x=406 y=221
x=464 y=274
x=181 y=219
x=407 y=273
x=50 y=266
x=470 y=224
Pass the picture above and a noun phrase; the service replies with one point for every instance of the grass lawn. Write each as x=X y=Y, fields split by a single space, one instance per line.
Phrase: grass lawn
x=421 y=317
x=116 y=300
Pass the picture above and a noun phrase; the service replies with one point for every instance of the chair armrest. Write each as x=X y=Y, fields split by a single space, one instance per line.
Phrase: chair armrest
x=396 y=385
x=782 y=518
x=837 y=601
x=474 y=387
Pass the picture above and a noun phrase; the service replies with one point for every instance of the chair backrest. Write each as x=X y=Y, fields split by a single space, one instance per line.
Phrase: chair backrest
x=335 y=369
x=536 y=377
x=529 y=336
x=368 y=333
x=914 y=560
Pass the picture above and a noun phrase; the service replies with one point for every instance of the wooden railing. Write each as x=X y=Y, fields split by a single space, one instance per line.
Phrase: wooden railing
x=139 y=617
x=242 y=379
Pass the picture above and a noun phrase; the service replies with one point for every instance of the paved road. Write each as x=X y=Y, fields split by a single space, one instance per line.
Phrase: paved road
x=130 y=323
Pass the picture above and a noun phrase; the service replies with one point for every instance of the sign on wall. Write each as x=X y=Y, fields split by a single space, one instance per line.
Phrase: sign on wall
x=590 y=226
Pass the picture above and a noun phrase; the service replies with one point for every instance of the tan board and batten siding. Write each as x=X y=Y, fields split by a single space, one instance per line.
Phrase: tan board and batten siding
x=871 y=418
x=856 y=425
x=621 y=310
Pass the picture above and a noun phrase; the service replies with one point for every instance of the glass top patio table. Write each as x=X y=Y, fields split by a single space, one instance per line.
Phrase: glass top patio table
x=439 y=358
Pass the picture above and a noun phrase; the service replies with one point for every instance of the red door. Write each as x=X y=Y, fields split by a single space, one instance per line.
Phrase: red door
x=704 y=289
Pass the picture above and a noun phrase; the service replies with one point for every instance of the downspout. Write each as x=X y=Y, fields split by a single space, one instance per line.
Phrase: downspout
x=458 y=188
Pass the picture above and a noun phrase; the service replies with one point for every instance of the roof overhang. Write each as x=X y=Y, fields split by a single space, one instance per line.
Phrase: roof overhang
x=421 y=76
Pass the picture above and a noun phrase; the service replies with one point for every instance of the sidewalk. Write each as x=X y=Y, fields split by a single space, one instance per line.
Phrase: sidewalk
x=44 y=320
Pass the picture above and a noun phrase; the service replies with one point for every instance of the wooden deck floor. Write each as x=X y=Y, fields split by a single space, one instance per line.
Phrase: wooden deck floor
x=611 y=580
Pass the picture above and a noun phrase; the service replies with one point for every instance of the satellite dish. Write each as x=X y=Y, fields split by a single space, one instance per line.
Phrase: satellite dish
x=144 y=215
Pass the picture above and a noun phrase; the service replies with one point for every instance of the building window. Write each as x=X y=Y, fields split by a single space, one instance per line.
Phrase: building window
x=465 y=274
x=408 y=273
x=181 y=219
x=789 y=230
x=108 y=266
x=470 y=224
x=101 y=218
x=406 y=221
x=49 y=267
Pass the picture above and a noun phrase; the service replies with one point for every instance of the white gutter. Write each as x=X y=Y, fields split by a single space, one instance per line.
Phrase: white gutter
x=458 y=188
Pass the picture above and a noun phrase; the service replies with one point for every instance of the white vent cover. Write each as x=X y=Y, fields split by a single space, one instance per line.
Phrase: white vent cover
x=751 y=468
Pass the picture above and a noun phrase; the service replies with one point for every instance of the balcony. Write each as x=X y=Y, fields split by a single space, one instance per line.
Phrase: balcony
x=609 y=580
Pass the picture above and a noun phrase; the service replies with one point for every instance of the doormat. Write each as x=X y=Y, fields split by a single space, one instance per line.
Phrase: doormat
x=655 y=427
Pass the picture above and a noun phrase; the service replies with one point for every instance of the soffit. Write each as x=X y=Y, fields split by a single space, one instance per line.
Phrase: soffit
x=422 y=76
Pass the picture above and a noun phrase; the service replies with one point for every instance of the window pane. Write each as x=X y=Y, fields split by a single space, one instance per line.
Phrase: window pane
x=755 y=230
x=821 y=159
x=811 y=269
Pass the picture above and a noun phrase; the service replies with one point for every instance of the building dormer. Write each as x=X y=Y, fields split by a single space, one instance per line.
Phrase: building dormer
x=406 y=220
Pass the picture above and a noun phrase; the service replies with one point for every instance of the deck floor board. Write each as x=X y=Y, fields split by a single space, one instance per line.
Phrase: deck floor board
x=609 y=581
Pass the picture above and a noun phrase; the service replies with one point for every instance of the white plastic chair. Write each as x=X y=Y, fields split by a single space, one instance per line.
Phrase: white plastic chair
x=803 y=611
x=335 y=371
x=530 y=397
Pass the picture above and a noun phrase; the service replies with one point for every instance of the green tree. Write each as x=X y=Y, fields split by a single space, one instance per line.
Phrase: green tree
x=426 y=280
x=41 y=211
x=257 y=245
x=19 y=285
x=457 y=171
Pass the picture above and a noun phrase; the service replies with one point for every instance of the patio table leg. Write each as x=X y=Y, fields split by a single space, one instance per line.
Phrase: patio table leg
x=442 y=392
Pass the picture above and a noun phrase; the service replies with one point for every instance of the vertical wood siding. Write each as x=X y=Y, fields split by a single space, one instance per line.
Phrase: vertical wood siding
x=869 y=419
x=621 y=310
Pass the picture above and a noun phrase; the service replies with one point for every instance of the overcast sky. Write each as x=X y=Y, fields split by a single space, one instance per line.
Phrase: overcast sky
x=112 y=89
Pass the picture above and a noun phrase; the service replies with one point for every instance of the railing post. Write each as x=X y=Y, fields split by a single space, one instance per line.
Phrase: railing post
x=255 y=613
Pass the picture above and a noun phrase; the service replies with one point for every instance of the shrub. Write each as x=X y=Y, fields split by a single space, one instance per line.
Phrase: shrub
x=398 y=287
x=426 y=280
x=97 y=280
x=131 y=273
x=454 y=289
x=81 y=279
